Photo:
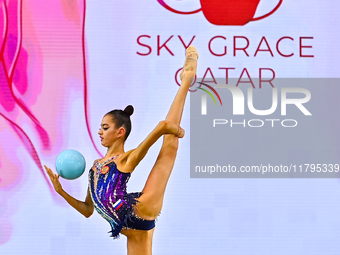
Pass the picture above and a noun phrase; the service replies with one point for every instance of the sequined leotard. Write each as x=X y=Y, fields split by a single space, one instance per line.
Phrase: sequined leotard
x=108 y=192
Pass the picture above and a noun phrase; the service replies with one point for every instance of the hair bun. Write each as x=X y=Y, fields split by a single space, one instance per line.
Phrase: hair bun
x=129 y=110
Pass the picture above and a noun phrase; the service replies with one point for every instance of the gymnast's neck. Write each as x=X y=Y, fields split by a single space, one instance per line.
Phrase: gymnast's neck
x=139 y=242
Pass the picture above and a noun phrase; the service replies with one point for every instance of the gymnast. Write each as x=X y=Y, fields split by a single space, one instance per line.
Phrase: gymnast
x=133 y=214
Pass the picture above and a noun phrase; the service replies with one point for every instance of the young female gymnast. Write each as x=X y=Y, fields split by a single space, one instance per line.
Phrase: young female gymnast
x=133 y=214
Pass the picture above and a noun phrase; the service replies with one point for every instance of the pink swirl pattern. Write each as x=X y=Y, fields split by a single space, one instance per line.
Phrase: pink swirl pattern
x=42 y=64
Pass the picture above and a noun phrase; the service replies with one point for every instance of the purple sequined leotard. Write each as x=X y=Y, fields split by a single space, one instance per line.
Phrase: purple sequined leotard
x=108 y=191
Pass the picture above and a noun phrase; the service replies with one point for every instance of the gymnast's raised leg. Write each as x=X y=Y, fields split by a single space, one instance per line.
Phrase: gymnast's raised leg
x=151 y=200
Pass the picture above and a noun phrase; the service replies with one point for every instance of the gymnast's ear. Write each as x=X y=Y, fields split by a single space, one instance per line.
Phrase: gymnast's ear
x=122 y=119
x=121 y=132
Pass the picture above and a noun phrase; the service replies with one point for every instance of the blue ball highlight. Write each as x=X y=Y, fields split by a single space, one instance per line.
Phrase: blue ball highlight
x=70 y=164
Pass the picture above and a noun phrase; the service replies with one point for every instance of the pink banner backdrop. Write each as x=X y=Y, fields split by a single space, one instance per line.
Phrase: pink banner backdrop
x=34 y=116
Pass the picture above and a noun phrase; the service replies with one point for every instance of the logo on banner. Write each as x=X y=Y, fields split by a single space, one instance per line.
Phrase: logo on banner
x=227 y=13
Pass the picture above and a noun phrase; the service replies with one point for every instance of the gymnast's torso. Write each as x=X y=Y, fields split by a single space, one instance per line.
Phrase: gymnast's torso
x=107 y=186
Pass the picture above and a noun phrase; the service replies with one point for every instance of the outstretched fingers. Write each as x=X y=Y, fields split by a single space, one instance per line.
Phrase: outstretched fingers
x=54 y=179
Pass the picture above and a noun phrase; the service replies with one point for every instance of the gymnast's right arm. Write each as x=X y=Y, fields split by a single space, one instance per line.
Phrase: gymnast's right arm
x=85 y=208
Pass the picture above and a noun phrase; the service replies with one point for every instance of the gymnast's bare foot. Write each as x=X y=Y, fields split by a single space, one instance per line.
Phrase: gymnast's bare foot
x=190 y=64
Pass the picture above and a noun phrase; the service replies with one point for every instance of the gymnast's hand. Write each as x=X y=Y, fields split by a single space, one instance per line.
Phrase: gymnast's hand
x=55 y=179
x=171 y=128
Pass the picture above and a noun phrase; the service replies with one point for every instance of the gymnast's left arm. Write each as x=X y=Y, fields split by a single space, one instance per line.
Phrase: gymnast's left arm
x=133 y=157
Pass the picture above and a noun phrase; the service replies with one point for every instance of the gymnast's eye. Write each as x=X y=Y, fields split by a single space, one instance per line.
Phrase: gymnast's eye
x=105 y=128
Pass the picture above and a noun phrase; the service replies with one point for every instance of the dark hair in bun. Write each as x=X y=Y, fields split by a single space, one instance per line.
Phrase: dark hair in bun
x=128 y=110
x=122 y=119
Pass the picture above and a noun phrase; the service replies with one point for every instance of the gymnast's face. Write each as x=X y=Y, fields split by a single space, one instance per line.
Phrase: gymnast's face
x=108 y=132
